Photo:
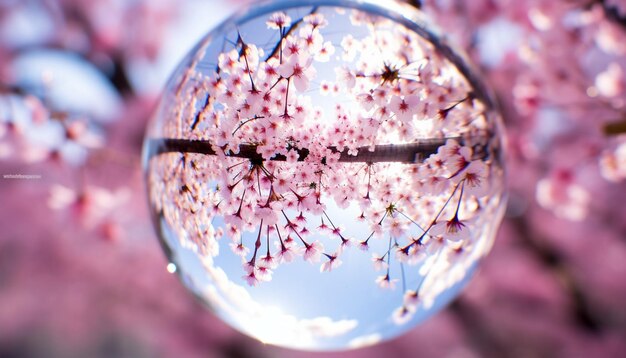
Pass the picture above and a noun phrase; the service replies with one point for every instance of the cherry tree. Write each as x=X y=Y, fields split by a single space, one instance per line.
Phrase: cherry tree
x=557 y=69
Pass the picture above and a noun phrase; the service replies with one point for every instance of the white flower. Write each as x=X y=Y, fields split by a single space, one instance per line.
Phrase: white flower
x=267 y=214
x=263 y=273
x=313 y=252
x=269 y=261
x=611 y=83
x=567 y=199
x=379 y=262
x=411 y=298
x=345 y=77
x=402 y=315
x=325 y=88
x=416 y=254
x=436 y=184
x=292 y=156
x=287 y=253
x=613 y=164
x=396 y=227
x=298 y=69
x=366 y=100
x=454 y=230
x=325 y=52
x=228 y=62
x=278 y=20
x=475 y=178
x=405 y=108
x=316 y=20
x=250 y=279
x=239 y=249
x=349 y=46
x=332 y=263
x=386 y=283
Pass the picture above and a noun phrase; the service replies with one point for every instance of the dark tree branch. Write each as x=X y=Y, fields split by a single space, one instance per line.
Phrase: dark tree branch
x=415 y=3
x=615 y=128
x=119 y=77
x=401 y=153
x=405 y=153
x=613 y=14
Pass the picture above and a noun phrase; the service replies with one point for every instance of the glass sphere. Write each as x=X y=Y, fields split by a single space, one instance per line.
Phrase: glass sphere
x=325 y=174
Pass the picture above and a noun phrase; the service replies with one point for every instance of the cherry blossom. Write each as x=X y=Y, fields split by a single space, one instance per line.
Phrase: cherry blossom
x=558 y=75
x=313 y=252
x=405 y=108
x=279 y=20
x=454 y=229
x=385 y=282
x=402 y=315
x=298 y=68
x=332 y=263
x=613 y=164
x=379 y=262
x=563 y=195
x=314 y=140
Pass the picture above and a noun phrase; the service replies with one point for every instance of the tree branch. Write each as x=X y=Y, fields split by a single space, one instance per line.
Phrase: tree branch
x=415 y=3
x=615 y=128
x=401 y=153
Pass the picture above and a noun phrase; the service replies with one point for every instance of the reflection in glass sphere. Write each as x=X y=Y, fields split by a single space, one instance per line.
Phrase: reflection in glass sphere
x=325 y=174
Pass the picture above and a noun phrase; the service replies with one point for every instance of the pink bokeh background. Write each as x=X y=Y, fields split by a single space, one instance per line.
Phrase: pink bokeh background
x=81 y=271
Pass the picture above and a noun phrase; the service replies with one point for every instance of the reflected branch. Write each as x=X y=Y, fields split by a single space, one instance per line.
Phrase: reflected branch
x=399 y=153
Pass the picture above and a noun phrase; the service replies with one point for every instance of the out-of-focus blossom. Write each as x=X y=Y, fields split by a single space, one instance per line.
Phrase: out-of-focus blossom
x=613 y=164
x=549 y=289
x=564 y=196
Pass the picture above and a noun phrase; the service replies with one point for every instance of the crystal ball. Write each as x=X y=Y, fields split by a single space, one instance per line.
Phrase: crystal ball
x=325 y=175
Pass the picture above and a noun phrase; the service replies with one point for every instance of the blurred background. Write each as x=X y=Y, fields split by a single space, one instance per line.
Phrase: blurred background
x=82 y=274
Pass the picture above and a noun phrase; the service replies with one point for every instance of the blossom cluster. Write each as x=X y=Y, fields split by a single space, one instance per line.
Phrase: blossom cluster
x=565 y=82
x=307 y=137
x=65 y=81
x=556 y=66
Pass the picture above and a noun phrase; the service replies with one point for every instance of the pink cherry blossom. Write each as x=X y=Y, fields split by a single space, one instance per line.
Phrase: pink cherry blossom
x=313 y=252
x=558 y=76
x=385 y=282
x=279 y=20
x=379 y=262
x=561 y=194
x=405 y=108
x=297 y=68
x=332 y=263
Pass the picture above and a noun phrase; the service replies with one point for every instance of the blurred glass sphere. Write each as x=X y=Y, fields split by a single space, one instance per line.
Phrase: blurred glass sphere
x=325 y=174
